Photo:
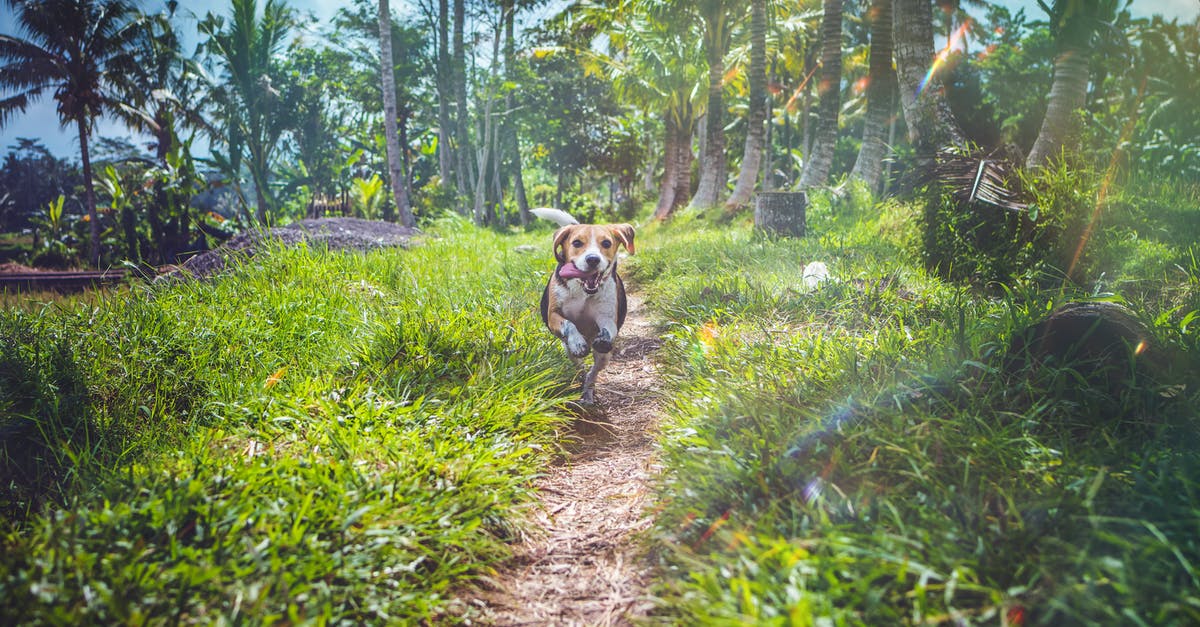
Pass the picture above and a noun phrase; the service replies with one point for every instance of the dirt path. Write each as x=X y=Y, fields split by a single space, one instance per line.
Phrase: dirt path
x=581 y=565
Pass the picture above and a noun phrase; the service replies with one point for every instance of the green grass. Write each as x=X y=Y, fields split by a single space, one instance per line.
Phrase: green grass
x=857 y=455
x=336 y=437
x=314 y=437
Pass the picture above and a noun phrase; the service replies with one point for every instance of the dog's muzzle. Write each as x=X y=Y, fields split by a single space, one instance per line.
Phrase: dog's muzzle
x=591 y=279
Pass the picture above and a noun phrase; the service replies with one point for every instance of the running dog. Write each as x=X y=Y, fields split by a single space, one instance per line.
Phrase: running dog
x=584 y=300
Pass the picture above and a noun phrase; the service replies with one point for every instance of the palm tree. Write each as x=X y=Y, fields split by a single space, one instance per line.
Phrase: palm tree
x=160 y=99
x=880 y=87
x=74 y=47
x=818 y=164
x=446 y=156
x=715 y=14
x=464 y=177
x=654 y=65
x=387 y=71
x=930 y=123
x=1074 y=24
x=757 y=116
x=253 y=108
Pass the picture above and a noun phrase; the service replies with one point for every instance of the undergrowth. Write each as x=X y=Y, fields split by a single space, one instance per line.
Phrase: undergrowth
x=859 y=453
x=316 y=436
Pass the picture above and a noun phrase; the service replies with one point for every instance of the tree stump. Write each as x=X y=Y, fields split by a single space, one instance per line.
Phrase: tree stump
x=1104 y=342
x=780 y=213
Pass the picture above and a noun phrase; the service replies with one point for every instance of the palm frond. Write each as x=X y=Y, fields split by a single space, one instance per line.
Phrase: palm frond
x=15 y=104
x=978 y=177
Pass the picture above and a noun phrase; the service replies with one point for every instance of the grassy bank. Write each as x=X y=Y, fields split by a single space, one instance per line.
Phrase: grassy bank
x=316 y=436
x=857 y=453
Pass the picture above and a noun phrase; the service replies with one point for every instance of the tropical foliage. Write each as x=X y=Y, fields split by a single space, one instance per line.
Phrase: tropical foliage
x=343 y=437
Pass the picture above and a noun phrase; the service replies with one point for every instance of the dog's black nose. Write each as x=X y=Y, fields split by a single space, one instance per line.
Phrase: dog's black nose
x=592 y=260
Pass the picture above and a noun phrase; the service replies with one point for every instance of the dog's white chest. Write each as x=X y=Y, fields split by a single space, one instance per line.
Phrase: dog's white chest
x=587 y=311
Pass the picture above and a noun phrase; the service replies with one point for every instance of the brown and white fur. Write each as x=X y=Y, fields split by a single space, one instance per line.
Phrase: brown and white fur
x=584 y=300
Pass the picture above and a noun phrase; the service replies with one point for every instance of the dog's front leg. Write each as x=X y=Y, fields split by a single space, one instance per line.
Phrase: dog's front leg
x=573 y=340
x=605 y=336
x=602 y=345
x=589 y=382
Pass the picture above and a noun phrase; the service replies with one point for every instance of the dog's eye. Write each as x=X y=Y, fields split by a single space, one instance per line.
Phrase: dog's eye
x=606 y=244
x=577 y=243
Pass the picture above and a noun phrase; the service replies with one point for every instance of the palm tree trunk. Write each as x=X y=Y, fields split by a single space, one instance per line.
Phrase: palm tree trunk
x=666 y=190
x=405 y=157
x=559 y=184
x=519 y=184
x=882 y=82
x=89 y=195
x=651 y=165
x=444 y=89
x=683 y=155
x=818 y=164
x=757 y=116
x=464 y=177
x=931 y=125
x=1068 y=94
x=258 y=175
x=482 y=164
x=789 y=146
x=805 y=124
x=158 y=236
x=388 y=72
x=712 y=160
x=675 y=188
x=487 y=139
x=768 y=179
x=512 y=142
x=891 y=141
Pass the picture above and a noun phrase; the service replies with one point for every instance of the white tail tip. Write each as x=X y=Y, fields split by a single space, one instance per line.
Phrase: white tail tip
x=557 y=216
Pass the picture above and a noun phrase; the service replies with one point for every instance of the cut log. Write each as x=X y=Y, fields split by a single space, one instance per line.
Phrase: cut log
x=780 y=213
x=61 y=282
x=1104 y=342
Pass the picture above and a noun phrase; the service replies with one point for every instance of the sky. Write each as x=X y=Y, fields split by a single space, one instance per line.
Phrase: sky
x=40 y=121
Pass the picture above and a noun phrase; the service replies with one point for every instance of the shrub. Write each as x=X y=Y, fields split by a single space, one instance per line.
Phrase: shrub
x=978 y=242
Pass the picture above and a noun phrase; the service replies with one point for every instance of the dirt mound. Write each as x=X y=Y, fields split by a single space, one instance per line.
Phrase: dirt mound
x=334 y=233
x=12 y=267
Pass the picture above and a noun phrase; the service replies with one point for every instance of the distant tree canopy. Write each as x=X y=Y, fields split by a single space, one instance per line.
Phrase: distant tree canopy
x=599 y=107
x=30 y=179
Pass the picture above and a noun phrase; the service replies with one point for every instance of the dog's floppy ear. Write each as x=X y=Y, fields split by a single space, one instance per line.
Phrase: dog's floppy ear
x=560 y=243
x=624 y=233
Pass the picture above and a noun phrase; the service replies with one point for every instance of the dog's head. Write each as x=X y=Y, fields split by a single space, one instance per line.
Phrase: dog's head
x=587 y=251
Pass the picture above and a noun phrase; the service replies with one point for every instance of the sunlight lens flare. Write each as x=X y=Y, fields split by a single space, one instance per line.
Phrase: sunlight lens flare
x=1109 y=175
x=942 y=57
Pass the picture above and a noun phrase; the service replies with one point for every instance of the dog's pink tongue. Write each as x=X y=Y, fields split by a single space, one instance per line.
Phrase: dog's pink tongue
x=569 y=271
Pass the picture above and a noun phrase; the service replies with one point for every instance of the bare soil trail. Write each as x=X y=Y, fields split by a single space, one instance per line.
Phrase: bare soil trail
x=581 y=564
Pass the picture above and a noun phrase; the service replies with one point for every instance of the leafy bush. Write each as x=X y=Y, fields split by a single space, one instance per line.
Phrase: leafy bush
x=982 y=243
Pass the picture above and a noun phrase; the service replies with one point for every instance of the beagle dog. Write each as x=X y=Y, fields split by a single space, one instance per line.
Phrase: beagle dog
x=584 y=300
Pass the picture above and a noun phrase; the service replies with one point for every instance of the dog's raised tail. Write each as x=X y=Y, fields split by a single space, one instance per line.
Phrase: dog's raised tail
x=557 y=216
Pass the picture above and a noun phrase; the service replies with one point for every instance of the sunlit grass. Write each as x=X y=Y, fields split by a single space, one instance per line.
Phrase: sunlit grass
x=315 y=436
x=857 y=454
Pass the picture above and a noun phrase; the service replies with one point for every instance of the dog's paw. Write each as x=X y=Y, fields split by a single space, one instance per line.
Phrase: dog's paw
x=576 y=346
x=603 y=342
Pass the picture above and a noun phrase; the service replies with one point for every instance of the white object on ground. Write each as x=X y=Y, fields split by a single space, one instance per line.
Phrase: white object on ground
x=814 y=274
